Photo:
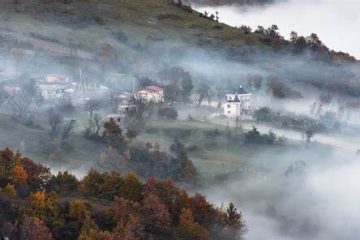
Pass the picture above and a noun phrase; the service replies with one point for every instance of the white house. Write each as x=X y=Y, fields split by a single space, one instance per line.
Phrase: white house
x=152 y=94
x=237 y=104
x=54 y=86
x=123 y=103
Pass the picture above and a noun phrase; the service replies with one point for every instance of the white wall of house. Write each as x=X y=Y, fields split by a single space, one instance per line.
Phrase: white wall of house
x=234 y=109
x=156 y=97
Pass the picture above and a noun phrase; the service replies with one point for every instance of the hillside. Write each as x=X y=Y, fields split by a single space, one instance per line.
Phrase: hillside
x=123 y=23
x=229 y=2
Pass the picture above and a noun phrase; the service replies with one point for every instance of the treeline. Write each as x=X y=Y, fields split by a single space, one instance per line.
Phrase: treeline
x=298 y=44
x=34 y=204
x=291 y=121
x=228 y=2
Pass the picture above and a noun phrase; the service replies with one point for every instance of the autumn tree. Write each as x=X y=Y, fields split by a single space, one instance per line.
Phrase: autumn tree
x=128 y=223
x=235 y=225
x=113 y=135
x=38 y=175
x=189 y=229
x=155 y=215
x=63 y=183
x=45 y=207
x=30 y=228
x=91 y=183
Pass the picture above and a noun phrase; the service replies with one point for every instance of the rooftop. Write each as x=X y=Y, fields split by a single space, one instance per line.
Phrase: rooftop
x=153 y=89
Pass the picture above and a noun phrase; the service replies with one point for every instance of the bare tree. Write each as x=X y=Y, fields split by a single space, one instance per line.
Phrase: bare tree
x=55 y=119
x=91 y=106
x=20 y=106
x=94 y=128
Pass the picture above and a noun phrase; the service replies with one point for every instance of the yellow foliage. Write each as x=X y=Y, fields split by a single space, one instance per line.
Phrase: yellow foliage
x=10 y=190
x=38 y=198
x=78 y=209
x=19 y=174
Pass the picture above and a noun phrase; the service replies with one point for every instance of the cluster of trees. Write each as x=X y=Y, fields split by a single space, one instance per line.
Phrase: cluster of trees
x=299 y=44
x=23 y=100
x=182 y=4
x=34 y=204
x=255 y=137
x=123 y=154
x=177 y=83
x=58 y=137
x=292 y=121
x=279 y=89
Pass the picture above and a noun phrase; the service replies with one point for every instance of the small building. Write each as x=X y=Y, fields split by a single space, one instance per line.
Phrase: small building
x=56 y=78
x=124 y=104
x=152 y=94
x=237 y=103
x=12 y=90
x=54 y=86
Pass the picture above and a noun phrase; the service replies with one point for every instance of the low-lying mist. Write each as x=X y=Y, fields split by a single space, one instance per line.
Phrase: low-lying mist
x=333 y=21
x=307 y=194
x=297 y=190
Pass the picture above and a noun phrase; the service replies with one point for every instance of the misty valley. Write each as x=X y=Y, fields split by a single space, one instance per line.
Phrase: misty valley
x=154 y=120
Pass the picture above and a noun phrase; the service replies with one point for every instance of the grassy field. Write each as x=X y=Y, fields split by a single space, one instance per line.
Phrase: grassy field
x=211 y=155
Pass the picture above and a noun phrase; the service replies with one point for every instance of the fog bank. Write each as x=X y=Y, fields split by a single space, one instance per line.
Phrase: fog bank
x=334 y=21
x=315 y=201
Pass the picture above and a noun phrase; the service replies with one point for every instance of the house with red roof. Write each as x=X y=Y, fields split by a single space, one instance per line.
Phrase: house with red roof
x=152 y=94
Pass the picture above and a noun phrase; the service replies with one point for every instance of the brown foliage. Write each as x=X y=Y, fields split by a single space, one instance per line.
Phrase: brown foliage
x=155 y=215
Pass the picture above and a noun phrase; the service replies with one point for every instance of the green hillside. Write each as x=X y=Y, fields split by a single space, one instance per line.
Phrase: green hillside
x=121 y=23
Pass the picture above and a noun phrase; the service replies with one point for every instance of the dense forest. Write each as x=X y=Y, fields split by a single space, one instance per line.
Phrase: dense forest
x=34 y=204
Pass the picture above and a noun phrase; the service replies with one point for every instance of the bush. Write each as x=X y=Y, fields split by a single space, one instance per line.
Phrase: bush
x=254 y=137
x=168 y=113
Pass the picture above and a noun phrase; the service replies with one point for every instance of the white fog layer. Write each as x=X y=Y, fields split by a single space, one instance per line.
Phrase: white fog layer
x=335 y=22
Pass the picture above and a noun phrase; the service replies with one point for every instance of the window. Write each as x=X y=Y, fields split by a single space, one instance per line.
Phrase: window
x=229 y=106
x=229 y=112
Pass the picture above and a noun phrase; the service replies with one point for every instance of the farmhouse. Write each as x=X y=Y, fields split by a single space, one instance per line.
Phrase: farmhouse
x=124 y=103
x=54 y=86
x=152 y=94
x=237 y=103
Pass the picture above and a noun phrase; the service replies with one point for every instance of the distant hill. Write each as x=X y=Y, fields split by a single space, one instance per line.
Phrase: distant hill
x=229 y=2
x=143 y=33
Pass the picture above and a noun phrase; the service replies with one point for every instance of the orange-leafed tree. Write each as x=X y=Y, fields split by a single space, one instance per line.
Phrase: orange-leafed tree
x=155 y=215
x=19 y=174
x=189 y=229
x=38 y=175
x=32 y=228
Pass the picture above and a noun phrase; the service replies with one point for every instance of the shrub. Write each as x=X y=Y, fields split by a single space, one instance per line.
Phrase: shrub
x=168 y=113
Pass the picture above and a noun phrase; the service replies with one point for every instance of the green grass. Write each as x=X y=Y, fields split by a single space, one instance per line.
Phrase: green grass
x=140 y=19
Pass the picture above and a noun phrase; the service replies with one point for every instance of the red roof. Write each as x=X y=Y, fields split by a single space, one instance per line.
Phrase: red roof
x=154 y=88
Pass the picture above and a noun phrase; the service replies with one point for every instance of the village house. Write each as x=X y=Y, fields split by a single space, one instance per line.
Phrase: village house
x=12 y=90
x=152 y=94
x=54 y=86
x=123 y=103
x=237 y=103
